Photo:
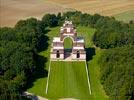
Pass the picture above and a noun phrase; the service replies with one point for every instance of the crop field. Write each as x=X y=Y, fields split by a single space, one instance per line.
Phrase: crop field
x=13 y=10
x=104 y=7
x=125 y=16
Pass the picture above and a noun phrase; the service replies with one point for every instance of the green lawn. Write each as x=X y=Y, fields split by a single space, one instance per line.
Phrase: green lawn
x=87 y=33
x=68 y=43
x=68 y=80
x=125 y=16
x=72 y=73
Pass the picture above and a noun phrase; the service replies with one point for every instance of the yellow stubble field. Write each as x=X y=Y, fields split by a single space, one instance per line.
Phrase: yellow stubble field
x=13 y=10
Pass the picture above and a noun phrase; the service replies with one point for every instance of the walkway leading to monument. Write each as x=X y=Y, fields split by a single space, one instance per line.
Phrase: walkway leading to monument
x=68 y=54
x=69 y=79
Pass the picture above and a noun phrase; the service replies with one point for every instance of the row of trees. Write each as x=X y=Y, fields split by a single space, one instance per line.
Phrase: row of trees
x=110 y=33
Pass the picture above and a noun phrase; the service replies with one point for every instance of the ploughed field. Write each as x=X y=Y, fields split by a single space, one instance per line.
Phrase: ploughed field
x=104 y=7
x=13 y=10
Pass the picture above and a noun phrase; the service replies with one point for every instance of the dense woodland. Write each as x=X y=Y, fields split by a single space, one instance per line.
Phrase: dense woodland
x=18 y=53
x=117 y=72
x=19 y=47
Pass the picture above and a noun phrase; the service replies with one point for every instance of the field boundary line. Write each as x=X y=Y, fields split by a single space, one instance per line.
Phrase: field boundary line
x=89 y=86
x=48 y=77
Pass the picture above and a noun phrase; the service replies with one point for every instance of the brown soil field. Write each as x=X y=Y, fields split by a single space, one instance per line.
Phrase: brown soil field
x=13 y=10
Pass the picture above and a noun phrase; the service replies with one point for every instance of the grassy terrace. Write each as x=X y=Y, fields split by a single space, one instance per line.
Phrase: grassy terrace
x=70 y=73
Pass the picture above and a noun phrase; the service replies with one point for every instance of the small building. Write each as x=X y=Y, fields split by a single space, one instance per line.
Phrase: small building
x=77 y=52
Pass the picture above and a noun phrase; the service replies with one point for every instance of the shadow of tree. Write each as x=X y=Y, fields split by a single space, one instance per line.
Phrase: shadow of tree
x=90 y=52
x=40 y=61
x=39 y=71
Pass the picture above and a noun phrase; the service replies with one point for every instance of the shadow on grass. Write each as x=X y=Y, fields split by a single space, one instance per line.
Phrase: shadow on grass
x=39 y=71
x=40 y=61
x=90 y=52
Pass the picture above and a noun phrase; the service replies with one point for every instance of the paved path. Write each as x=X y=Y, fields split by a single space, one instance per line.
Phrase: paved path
x=43 y=98
x=34 y=97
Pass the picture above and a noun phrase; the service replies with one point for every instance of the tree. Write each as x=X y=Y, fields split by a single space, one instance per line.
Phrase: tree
x=50 y=20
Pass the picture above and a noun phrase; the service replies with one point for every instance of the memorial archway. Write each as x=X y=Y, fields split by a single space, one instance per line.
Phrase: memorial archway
x=68 y=45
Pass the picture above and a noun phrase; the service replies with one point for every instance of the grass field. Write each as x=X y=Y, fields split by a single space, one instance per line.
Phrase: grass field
x=64 y=69
x=125 y=16
x=13 y=10
x=68 y=80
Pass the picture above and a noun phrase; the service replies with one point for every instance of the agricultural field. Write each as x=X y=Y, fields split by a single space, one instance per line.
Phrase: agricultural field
x=13 y=10
x=104 y=7
x=125 y=16
x=65 y=70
